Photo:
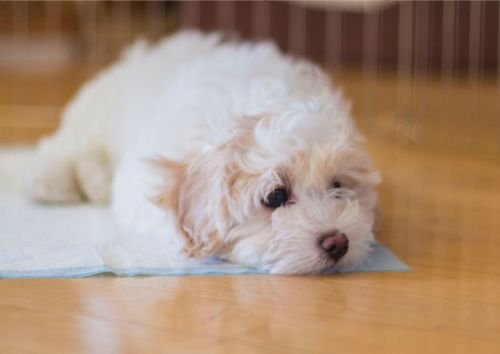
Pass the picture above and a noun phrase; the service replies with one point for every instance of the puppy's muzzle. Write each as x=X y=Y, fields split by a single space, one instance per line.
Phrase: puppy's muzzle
x=335 y=245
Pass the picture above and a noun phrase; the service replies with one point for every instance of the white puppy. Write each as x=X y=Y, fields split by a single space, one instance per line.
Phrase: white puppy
x=252 y=154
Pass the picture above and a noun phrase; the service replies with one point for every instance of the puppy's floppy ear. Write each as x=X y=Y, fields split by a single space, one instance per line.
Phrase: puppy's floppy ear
x=192 y=192
x=202 y=194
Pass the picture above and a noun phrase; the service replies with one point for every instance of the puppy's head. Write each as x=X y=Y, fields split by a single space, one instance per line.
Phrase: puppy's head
x=290 y=193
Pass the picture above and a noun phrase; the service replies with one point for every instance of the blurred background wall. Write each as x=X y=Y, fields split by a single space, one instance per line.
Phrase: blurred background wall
x=423 y=74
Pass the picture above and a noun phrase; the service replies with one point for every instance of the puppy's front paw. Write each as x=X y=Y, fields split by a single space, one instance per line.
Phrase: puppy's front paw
x=53 y=182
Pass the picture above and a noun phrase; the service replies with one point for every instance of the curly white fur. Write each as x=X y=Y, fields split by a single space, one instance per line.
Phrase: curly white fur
x=205 y=129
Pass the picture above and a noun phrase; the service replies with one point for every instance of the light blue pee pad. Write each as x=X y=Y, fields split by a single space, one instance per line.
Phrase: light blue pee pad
x=381 y=260
x=78 y=241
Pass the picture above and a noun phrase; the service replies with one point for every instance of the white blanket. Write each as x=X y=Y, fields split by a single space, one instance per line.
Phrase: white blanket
x=81 y=240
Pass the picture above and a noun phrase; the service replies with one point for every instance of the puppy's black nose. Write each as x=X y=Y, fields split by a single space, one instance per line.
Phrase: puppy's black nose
x=335 y=245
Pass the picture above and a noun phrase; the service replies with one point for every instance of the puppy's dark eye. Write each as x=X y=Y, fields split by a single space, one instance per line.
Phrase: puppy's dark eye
x=276 y=198
x=336 y=184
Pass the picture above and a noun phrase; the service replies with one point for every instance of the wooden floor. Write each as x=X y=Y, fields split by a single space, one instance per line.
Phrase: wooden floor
x=440 y=214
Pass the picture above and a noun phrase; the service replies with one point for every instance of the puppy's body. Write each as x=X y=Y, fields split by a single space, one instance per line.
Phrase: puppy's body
x=226 y=125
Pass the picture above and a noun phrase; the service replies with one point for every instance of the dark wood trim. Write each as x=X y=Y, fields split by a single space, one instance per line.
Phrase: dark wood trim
x=427 y=32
